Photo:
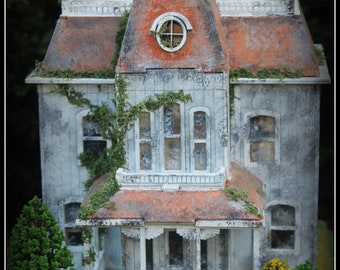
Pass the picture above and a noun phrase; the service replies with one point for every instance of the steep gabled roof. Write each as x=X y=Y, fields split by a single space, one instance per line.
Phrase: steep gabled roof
x=271 y=42
x=82 y=44
x=215 y=43
x=184 y=206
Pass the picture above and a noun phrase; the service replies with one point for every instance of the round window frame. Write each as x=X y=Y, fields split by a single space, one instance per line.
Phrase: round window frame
x=171 y=16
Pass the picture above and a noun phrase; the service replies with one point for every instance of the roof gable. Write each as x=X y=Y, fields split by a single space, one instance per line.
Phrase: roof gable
x=202 y=51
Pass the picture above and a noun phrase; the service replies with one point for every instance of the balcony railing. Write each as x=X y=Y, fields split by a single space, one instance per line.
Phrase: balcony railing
x=157 y=180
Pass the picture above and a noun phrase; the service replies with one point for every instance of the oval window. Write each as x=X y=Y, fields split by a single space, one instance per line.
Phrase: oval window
x=171 y=31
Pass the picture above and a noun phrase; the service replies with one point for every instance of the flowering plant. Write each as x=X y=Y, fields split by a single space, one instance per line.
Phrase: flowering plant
x=275 y=264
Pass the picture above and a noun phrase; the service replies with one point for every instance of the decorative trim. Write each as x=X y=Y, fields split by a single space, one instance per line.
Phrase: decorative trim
x=109 y=222
x=193 y=234
x=257 y=8
x=157 y=180
x=149 y=233
x=229 y=223
x=95 y=7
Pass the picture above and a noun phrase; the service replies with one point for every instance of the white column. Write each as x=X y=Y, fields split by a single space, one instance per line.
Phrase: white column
x=142 y=249
x=256 y=249
x=87 y=247
x=198 y=249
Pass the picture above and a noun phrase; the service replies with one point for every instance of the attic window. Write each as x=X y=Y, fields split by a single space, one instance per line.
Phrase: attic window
x=171 y=31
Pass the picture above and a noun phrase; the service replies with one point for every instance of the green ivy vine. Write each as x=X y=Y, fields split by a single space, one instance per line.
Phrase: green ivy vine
x=114 y=127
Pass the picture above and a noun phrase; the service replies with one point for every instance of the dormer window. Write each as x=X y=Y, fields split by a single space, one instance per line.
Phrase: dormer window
x=171 y=31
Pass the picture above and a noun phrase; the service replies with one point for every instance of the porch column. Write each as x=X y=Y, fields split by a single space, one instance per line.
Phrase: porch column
x=198 y=249
x=256 y=249
x=142 y=249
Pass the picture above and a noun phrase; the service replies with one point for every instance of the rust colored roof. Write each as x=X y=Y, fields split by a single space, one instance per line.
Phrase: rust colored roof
x=202 y=51
x=184 y=206
x=82 y=44
x=215 y=43
x=271 y=42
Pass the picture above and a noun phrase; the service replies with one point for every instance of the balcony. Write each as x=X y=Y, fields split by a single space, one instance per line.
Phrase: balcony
x=171 y=181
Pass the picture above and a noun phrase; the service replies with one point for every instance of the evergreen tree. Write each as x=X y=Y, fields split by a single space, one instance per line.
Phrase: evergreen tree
x=36 y=241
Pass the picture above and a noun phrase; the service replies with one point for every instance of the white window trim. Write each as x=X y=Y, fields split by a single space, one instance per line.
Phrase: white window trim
x=138 y=141
x=247 y=141
x=183 y=21
x=64 y=225
x=80 y=134
x=193 y=140
x=181 y=136
x=296 y=228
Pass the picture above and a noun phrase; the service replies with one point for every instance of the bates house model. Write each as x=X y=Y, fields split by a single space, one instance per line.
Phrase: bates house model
x=182 y=134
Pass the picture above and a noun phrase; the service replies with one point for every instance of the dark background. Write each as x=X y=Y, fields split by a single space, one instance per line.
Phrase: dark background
x=29 y=25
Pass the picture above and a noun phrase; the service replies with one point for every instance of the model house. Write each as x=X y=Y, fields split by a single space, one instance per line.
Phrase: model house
x=222 y=173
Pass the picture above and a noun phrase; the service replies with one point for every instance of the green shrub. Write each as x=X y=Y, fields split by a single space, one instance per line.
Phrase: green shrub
x=305 y=266
x=36 y=241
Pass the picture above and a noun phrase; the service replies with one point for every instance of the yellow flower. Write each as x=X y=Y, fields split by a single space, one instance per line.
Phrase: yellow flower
x=276 y=264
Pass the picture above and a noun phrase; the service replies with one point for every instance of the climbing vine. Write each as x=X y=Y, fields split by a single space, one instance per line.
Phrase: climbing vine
x=114 y=127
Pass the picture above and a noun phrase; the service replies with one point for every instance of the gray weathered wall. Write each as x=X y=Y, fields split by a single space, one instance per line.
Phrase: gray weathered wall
x=293 y=178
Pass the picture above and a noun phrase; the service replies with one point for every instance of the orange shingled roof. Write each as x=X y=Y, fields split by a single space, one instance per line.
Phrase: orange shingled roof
x=184 y=206
x=202 y=51
x=215 y=43
x=82 y=44
x=273 y=42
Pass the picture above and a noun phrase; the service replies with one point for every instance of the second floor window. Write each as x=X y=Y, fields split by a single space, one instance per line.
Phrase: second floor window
x=262 y=138
x=93 y=140
x=165 y=143
x=172 y=137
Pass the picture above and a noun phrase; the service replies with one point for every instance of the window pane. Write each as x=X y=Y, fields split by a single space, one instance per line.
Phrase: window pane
x=71 y=212
x=145 y=156
x=73 y=237
x=262 y=151
x=171 y=34
x=282 y=239
x=200 y=128
x=149 y=254
x=144 y=125
x=90 y=128
x=283 y=215
x=175 y=249
x=262 y=127
x=204 y=255
x=172 y=120
x=172 y=154
x=96 y=147
x=200 y=156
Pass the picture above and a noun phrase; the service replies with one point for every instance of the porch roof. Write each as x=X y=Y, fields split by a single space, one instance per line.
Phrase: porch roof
x=183 y=206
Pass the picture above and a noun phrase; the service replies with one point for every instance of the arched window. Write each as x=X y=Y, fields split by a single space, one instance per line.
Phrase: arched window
x=144 y=137
x=90 y=136
x=172 y=137
x=282 y=227
x=73 y=234
x=200 y=138
x=93 y=140
x=262 y=138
